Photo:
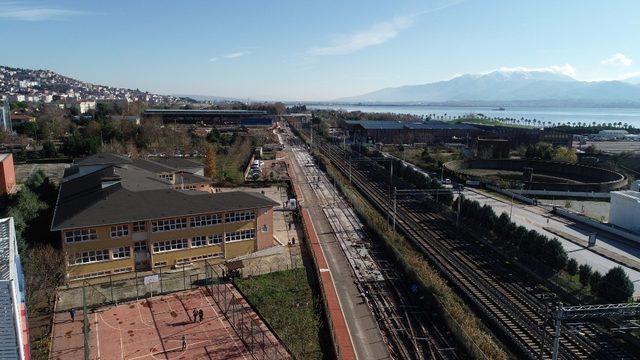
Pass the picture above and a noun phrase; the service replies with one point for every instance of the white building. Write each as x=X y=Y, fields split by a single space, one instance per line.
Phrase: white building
x=625 y=210
x=13 y=312
x=610 y=135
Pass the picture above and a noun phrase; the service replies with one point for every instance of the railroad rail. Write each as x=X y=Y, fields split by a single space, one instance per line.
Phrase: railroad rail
x=504 y=296
x=409 y=332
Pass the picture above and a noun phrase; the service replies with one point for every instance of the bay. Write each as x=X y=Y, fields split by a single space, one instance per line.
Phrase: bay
x=557 y=115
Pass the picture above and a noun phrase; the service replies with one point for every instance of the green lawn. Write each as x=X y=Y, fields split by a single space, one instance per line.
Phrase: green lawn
x=285 y=300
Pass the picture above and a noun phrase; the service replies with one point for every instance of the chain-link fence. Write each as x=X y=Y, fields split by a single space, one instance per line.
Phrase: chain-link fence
x=139 y=286
x=255 y=335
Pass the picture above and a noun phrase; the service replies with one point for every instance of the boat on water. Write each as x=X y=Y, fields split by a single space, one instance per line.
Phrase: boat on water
x=499 y=109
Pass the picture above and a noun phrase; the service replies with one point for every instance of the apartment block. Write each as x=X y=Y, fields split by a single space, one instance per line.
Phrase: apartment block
x=117 y=215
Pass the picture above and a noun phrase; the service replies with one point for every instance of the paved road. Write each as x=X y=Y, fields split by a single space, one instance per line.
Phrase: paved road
x=537 y=218
x=363 y=328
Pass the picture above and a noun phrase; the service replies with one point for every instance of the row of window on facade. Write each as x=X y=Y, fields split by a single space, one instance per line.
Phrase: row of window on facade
x=118 y=231
x=91 y=256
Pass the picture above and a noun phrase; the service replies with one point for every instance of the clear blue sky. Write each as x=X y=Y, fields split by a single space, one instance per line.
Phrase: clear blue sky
x=315 y=50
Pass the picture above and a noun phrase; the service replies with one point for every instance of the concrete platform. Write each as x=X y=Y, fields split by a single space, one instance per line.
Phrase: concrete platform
x=363 y=328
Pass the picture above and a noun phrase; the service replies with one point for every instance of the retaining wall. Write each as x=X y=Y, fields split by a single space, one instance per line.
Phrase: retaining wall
x=586 y=178
x=598 y=225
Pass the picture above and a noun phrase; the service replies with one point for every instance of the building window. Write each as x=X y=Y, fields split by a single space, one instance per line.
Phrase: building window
x=119 y=231
x=168 y=224
x=121 y=252
x=205 y=220
x=140 y=246
x=80 y=235
x=198 y=241
x=237 y=216
x=86 y=257
x=240 y=235
x=169 y=245
x=139 y=226
x=214 y=239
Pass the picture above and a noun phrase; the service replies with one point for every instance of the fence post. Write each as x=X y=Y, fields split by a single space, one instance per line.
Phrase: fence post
x=137 y=294
x=184 y=279
x=161 y=291
x=111 y=288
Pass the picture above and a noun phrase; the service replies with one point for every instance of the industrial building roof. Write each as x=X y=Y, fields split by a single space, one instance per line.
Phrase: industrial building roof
x=411 y=125
x=205 y=111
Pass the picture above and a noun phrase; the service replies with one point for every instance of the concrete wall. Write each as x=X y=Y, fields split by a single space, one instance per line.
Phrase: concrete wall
x=598 y=225
x=588 y=178
x=625 y=210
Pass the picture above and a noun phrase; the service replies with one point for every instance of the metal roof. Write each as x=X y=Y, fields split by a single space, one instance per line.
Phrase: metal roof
x=410 y=125
x=205 y=112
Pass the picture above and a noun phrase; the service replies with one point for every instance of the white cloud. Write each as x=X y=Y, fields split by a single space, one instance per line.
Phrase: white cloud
x=213 y=59
x=375 y=35
x=565 y=69
x=235 y=54
x=13 y=11
x=617 y=59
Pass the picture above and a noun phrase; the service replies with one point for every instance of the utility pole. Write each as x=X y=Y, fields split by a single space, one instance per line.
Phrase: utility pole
x=459 y=208
x=395 y=203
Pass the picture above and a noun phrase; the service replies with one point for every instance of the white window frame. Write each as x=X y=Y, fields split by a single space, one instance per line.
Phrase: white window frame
x=170 y=245
x=240 y=235
x=206 y=220
x=169 y=224
x=89 y=257
x=122 y=252
x=80 y=235
x=238 y=216
x=118 y=231
x=215 y=239
x=198 y=241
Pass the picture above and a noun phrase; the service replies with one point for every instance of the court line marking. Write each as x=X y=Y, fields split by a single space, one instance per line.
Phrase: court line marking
x=224 y=325
x=97 y=334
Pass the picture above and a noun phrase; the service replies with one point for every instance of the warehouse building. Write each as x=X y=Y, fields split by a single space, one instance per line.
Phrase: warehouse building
x=117 y=215
x=625 y=210
x=405 y=132
x=216 y=118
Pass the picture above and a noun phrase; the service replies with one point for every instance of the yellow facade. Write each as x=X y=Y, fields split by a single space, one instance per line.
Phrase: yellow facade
x=175 y=257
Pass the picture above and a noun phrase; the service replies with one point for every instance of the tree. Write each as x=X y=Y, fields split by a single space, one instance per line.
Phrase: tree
x=615 y=286
x=49 y=149
x=52 y=123
x=564 y=154
x=572 y=267
x=594 y=281
x=210 y=166
x=584 y=273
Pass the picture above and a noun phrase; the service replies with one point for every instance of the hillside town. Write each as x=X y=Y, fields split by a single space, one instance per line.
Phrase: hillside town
x=47 y=86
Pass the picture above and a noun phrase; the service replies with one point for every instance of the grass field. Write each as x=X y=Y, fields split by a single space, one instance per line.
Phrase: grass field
x=285 y=300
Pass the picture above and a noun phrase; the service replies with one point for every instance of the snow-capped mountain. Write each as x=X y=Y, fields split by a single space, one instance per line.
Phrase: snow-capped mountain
x=509 y=86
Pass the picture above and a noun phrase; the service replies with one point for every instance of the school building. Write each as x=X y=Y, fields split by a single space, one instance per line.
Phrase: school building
x=116 y=215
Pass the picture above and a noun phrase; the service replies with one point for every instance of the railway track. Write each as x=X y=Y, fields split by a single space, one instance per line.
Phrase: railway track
x=503 y=295
x=409 y=333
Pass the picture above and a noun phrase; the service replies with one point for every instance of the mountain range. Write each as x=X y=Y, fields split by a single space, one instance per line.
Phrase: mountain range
x=510 y=87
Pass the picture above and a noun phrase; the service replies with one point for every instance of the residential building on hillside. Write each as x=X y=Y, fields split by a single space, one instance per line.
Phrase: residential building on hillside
x=117 y=215
x=14 y=329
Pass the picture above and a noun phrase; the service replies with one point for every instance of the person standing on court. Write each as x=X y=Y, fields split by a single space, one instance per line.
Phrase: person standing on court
x=184 y=342
x=195 y=314
x=72 y=313
x=201 y=313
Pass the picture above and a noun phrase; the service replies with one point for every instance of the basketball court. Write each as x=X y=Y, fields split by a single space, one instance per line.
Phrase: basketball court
x=150 y=329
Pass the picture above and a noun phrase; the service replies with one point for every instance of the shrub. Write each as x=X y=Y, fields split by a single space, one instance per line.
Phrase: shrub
x=615 y=286
x=572 y=267
x=584 y=273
